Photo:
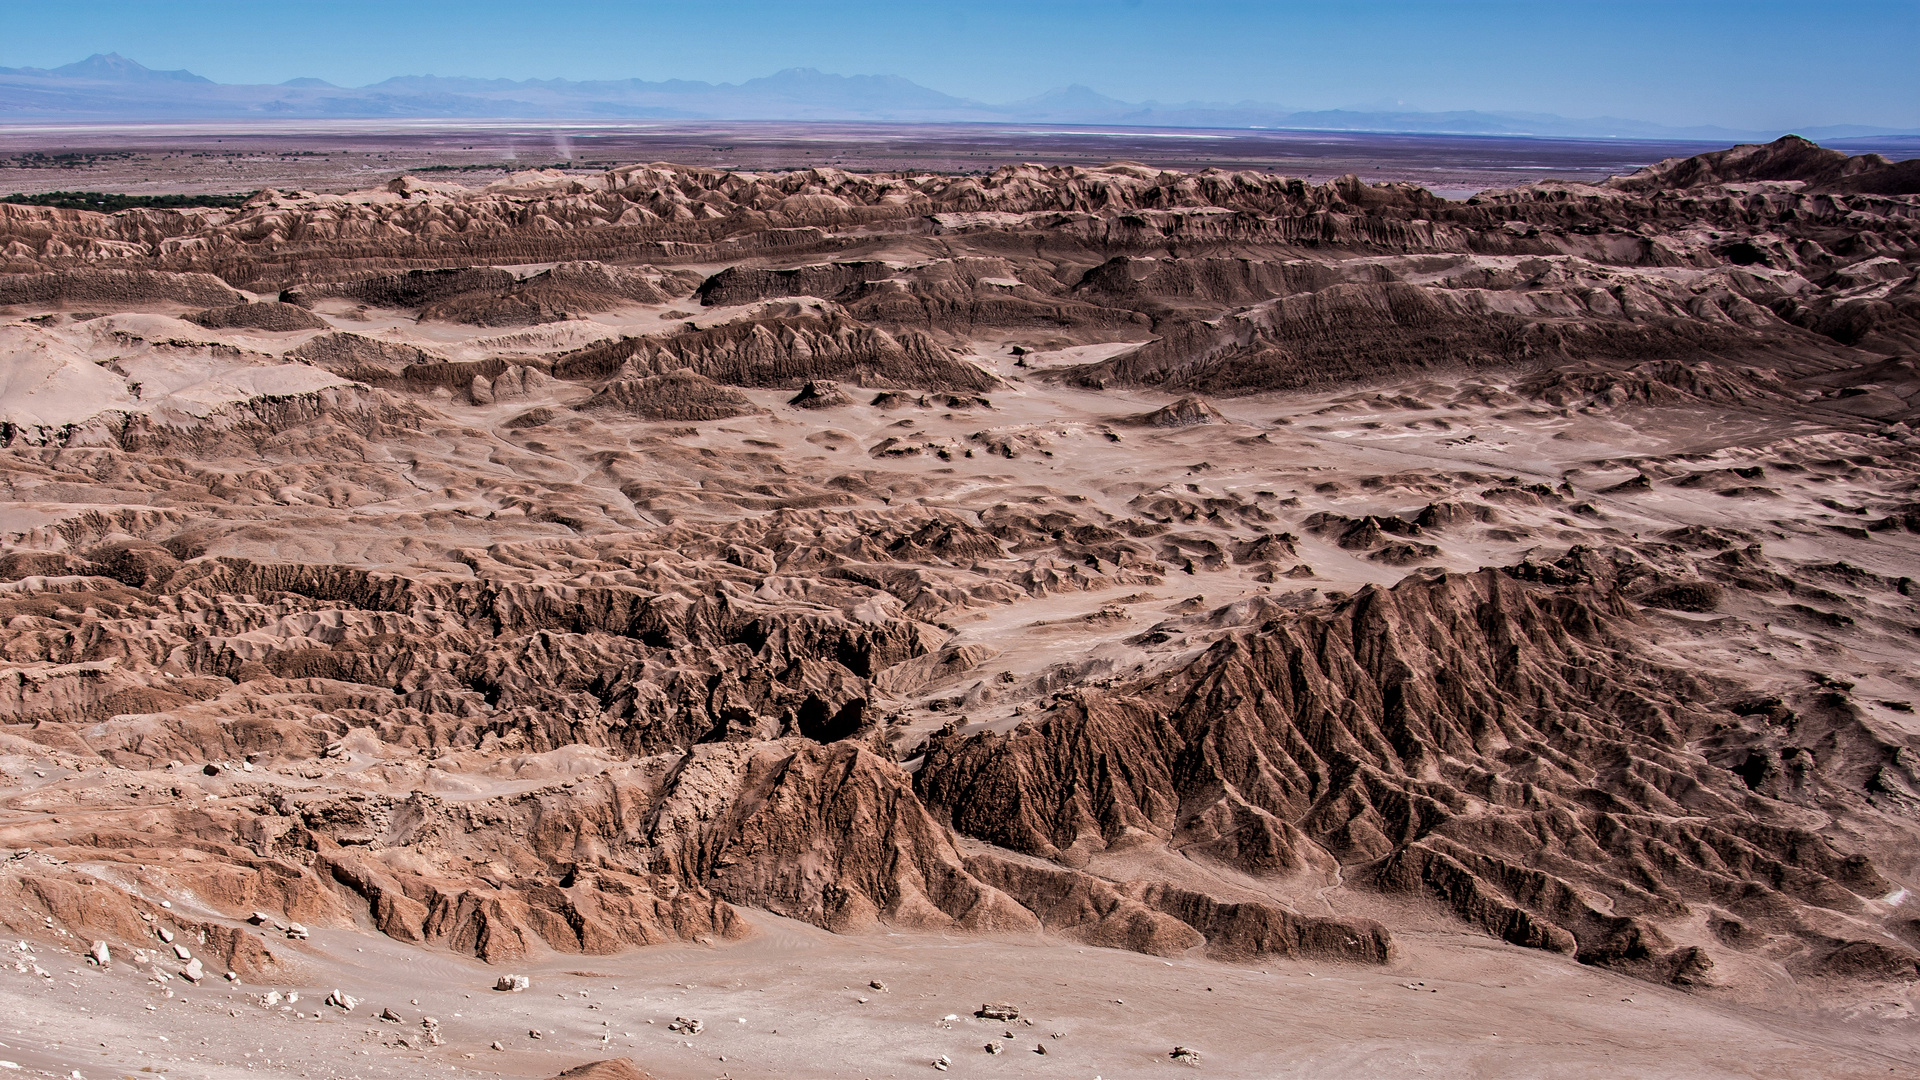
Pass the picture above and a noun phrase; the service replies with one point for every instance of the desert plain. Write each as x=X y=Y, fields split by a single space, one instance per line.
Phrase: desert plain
x=1245 y=625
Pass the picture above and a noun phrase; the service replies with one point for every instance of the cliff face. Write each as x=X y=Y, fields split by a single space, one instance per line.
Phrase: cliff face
x=1494 y=745
x=1541 y=566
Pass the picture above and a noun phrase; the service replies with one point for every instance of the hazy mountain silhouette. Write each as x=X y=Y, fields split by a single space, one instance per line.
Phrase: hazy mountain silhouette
x=111 y=87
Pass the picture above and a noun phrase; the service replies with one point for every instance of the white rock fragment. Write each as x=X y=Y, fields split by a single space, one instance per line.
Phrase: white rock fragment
x=339 y=999
x=100 y=954
x=512 y=984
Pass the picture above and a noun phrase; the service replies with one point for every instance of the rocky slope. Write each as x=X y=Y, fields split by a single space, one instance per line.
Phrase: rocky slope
x=1538 y=566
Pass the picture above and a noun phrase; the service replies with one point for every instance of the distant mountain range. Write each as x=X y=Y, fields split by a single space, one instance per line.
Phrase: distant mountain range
x=110 y=87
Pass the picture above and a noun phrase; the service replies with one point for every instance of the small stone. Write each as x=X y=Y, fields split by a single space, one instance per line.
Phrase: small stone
x=997 y=1012
x=181 y=952
x=993 y=1046
x=166 y=935
x=942 y=1062
x=531 y=1034
x=296 y=931
x=100 y=954
x=497 y=1046
x=1185 y=1055
x=878 y=985
x=391 y=1017
x=340 y=999
x=193 y=972
x=512 y=984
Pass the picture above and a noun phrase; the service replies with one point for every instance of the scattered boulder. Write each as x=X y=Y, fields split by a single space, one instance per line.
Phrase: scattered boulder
x=340 y=999
x=100 y=954
x=997 y=1012
x=686 y=1026
x=512 y=984
x=820 y=394
x=1188 y=411
x=609 y=1069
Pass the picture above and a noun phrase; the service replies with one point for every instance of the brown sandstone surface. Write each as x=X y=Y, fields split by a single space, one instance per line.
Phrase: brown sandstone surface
x=1232 y=572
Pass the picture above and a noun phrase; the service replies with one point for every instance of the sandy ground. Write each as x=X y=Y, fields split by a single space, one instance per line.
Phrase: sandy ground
x=794 y=1001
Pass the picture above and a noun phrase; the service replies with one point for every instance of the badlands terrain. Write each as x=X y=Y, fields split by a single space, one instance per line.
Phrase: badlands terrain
x=1246 y=626
x=339 y=155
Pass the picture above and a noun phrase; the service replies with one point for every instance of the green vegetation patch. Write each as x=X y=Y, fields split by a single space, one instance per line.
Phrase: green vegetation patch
x=107 y=202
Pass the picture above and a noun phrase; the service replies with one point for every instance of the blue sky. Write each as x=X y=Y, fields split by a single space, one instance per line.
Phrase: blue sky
x=1752 y=64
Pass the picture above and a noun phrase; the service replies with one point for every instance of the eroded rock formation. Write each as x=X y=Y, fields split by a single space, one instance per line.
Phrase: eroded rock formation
x=1538 y=564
